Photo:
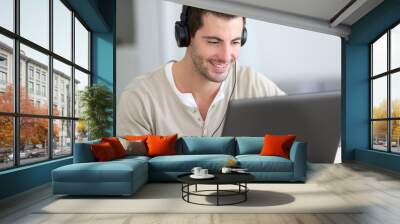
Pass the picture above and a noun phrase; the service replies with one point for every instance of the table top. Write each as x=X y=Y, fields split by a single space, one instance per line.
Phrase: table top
x=220 y=178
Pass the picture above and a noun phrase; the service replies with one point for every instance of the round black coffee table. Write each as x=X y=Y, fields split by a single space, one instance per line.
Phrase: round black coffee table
x=238 y=179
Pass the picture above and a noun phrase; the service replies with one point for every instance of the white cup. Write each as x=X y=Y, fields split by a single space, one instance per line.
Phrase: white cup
x=203 y=172
x=226 y=170
x=196 y=171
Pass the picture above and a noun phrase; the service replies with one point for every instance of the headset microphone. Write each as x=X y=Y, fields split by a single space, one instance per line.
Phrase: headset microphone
x=230 y=97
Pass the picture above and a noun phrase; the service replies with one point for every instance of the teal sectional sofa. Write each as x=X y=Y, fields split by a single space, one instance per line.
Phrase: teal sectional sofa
x=125 y=176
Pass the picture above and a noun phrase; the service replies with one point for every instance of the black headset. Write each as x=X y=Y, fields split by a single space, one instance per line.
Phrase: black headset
x=182 y=35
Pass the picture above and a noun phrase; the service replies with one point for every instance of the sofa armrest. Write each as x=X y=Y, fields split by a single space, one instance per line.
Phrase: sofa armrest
x=298 y=155
x=83 y=152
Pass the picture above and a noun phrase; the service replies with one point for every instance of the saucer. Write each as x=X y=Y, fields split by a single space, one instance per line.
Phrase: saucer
x=208 y=176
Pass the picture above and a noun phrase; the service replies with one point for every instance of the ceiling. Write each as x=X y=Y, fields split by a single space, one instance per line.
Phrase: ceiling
x=320 y=9
x=333 y=17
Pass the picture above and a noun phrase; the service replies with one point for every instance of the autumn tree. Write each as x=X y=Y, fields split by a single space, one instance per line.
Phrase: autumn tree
x=380 y=127
x=6 y=122
x=33 y=131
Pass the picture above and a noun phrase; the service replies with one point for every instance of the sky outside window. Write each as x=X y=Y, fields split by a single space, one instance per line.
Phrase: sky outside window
x=81 y=45
x=35 y=21
x=35 y=27
x=6 y=14
x=379 y=55
x=62 y=29
x=395 y=47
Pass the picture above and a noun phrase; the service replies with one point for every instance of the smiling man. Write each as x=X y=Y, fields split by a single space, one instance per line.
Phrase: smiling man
x=190 y=96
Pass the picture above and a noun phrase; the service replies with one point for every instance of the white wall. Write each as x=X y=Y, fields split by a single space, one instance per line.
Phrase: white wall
x=299 y=61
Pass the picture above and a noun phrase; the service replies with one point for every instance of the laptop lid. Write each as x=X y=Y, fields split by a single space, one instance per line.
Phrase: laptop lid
x=314 y=118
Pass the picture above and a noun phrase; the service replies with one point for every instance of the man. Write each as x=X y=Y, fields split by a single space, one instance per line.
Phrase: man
x=190 y=96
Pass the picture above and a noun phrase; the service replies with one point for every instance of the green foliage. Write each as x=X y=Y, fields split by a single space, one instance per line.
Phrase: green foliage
x=96 y=102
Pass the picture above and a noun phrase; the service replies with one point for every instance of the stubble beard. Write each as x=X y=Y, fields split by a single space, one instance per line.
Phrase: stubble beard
x=202 y=69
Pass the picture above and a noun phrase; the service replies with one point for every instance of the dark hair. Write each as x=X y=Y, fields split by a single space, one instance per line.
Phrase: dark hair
x=195 y=18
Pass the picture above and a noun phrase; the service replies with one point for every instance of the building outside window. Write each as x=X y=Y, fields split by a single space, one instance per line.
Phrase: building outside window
x=43 y=78
x=37 y=74
x=3 y=61
x=3 y=79
x=58 y=134
x=3 y=72
x=43 y=90
x=30 y=72
x=30 y=87
x=55 y=96
x=37 y=89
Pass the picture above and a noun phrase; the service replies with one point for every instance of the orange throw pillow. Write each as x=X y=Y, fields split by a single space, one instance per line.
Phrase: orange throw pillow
x=161 y=145
x=135 y=137
x=277 y=145
x=116 y=145
x=103 y=151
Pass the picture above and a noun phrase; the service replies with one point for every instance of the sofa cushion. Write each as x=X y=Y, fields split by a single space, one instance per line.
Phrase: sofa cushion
x=207 y=145
x=131 y=158
x=257 y=163
x=249 y=145
x=185 y=163
x=111 y=171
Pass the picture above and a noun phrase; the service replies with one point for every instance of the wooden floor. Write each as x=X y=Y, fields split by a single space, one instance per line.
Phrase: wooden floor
x=377 y=188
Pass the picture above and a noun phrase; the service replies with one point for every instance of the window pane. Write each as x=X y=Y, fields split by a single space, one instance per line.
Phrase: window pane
x=33 y=140
x=7 y=14
x=395 y=47
x=6 y=142
x=62 y=29
x=81 y=131
x=6 y=74
x=379 y=135
x=62 y=138
x=81 y=45
x=62 y=89
x=35 y=21
x=34 y=79
x=379 y=97
x=395 y=136
x=379 y=55
x=81 y=81
x=395 y=94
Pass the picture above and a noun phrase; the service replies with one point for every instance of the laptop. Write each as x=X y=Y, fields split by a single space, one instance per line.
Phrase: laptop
x=314 y=118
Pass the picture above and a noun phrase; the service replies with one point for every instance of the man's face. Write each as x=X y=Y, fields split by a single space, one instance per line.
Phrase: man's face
x=216 y=45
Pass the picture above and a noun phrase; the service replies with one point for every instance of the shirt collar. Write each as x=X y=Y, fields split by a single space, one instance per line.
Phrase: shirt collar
x=187 y=98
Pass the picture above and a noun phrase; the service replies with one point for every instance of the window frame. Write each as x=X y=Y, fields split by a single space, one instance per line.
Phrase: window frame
x=16 y=115
x=388 y=74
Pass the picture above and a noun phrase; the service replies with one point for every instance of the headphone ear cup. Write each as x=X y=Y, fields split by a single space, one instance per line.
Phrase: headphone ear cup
x=244 y=36
x=181 y=34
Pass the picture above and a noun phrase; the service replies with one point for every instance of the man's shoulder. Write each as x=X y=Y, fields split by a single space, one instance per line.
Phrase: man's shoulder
x=250 y=74
x=245 y=69
x=147 y=81
x=255 y=84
